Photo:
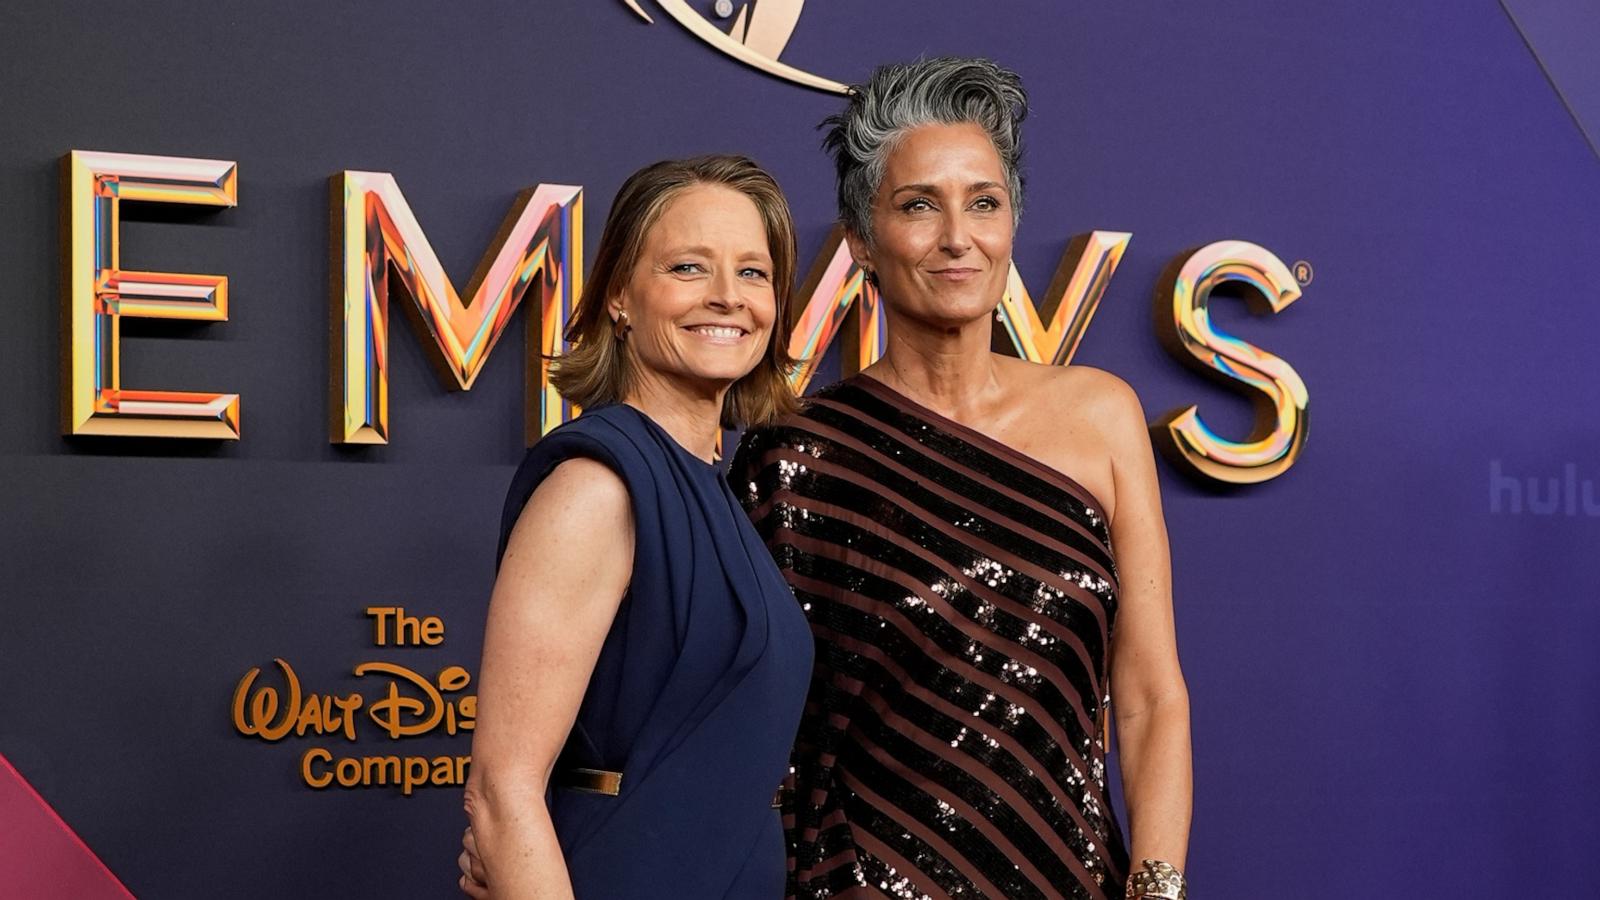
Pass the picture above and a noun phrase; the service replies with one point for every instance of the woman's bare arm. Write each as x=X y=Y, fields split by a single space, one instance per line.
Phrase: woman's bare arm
x=563 y=576
x=1148 y=697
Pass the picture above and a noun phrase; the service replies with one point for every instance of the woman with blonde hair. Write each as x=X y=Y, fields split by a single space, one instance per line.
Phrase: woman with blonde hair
x=644 y=663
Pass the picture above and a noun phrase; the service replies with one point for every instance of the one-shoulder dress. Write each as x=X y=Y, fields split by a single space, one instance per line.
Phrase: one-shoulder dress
x=961 y=595
x=698 y=688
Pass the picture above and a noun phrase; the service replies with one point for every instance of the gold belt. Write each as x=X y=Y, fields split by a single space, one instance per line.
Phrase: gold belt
x=590 y=781
x=602 y=781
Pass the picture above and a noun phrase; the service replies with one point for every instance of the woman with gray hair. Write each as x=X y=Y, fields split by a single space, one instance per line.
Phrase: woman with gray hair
x=973 y=626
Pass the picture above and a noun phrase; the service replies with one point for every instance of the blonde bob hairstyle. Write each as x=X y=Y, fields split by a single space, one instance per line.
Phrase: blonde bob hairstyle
x=597 y=368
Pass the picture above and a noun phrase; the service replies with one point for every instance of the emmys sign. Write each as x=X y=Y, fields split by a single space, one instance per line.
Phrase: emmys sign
x=379 y=251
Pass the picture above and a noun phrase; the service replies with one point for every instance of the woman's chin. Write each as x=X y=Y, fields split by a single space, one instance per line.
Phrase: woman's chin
x=949 y=309
x=958 y=319
x=717 y=378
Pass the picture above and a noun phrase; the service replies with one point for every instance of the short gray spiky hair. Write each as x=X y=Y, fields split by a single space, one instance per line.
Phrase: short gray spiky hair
x=900 y=97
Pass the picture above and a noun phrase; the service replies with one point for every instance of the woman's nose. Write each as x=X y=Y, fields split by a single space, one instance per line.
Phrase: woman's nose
x=724 y=292
x=955 y=239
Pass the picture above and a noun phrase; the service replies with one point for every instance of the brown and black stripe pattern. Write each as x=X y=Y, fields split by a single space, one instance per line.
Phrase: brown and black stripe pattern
x=961 y=595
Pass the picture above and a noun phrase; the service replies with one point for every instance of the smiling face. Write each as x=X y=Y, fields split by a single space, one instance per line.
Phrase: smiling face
x=700 y=300
x=941 y=226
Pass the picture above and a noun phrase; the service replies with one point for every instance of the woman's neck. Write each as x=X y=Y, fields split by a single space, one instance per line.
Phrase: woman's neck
x=692 y=417
x=949 y=370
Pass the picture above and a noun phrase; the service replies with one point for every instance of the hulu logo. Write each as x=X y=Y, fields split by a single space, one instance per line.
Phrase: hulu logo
x=1542 y=495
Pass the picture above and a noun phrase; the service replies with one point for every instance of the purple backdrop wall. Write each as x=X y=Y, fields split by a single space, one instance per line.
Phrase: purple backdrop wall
x=1390 y=648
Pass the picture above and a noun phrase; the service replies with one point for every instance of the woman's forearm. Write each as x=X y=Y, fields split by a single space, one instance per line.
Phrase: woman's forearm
x=1157 y=778
x=517 y=842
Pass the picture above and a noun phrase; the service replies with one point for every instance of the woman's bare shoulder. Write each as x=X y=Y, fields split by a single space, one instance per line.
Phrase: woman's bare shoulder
x=587 y=478
x=579 y=493
x=1077 y=390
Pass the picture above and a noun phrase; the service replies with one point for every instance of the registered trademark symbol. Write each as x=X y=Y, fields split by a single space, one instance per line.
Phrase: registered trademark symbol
x=1303 y=273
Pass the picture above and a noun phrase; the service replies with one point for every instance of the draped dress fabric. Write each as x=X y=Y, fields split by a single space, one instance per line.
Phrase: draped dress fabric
x=961 y=595
x=698 y=688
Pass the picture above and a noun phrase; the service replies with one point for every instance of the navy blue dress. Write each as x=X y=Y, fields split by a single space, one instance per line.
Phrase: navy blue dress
x=698 y=689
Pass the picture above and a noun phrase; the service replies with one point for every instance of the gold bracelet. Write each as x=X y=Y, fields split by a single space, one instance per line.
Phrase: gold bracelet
x=1157 y=881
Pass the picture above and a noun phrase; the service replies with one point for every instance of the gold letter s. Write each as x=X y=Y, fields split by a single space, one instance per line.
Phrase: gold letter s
x=1183 y=322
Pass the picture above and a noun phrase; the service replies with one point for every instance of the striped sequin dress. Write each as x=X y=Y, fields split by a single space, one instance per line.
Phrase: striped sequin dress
x=961 y=595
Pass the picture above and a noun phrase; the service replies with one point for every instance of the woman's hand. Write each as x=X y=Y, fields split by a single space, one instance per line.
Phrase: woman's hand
x=474 y=880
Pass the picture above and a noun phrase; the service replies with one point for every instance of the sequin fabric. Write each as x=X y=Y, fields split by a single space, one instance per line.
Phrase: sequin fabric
x=962 y=597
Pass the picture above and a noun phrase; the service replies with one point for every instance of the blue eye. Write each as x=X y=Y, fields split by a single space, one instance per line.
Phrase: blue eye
x=684 y=268
x=753 y=272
